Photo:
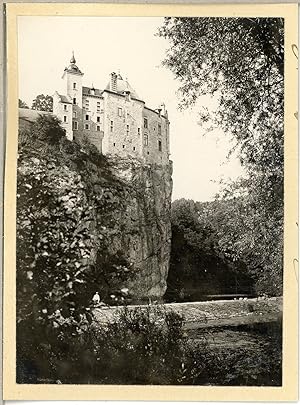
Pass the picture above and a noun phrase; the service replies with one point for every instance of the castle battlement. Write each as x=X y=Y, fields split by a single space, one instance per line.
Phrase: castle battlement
x=116 y=119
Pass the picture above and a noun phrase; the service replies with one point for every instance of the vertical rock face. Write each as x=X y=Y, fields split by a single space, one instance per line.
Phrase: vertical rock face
x=96 y=223
x=141 y=230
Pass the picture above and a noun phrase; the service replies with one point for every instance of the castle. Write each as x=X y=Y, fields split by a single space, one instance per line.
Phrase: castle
x=116 y=120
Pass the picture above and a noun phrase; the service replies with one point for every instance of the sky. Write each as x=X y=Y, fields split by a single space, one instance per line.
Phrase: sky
x=127 y=44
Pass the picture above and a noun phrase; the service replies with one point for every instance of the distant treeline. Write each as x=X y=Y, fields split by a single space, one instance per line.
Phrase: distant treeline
x=227 y=246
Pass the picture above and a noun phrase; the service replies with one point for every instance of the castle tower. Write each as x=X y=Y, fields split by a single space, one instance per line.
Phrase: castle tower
x=73 y=82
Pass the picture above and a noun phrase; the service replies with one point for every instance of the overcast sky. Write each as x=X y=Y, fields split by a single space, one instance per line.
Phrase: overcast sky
x=106 y=44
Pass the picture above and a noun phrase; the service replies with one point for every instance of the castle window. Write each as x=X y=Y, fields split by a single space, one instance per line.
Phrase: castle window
x=98 y=106
x=120 y=112
x=75 y=114
x=159 y=146
x=74 y=100
x=159 y=129
x=87 y=104
x=65 y=107
x=123 y=146
x=146 y=139
x=65 y=118
x=74 y=85
x=111 y=126
x=98 y=119
x=145 y=122
x=127 y=130
x=86 y=126
x=139 y=131
x=98 y=127
x=134 y=148
x=114 y=144
x=87 y=117
x=75 y=125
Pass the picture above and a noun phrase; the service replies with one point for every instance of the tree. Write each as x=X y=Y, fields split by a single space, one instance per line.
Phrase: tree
x=43 y=103
x=22 y=104
x=240 y=62
x=202 y=262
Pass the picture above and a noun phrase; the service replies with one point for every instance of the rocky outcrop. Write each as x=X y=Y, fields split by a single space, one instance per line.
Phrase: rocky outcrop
x=133 y=216
x=95 y=223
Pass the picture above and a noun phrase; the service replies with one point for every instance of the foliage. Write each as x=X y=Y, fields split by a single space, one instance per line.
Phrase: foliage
x=47 y=129
x=223 y=247
x=22 y=104
x=239 y=62
x=62 y=251
x=43 y=103
x=240 y=59
x=251 y=232
x=145 y=345
x=54 y=239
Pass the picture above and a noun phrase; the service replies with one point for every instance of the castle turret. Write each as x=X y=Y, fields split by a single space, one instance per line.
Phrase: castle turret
x=73 y=79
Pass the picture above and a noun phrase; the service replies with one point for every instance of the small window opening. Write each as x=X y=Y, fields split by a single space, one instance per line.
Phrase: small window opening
x=111 y=126
x=87 y=117
x=159 y=146
x=146 y=139
x=65 y=118
x=74 y=100
x=98 y=128
x=74 y=85
x=159 y=129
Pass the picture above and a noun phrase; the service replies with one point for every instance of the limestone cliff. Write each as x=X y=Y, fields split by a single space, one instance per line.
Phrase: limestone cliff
x=96 y=223
x=135 y=219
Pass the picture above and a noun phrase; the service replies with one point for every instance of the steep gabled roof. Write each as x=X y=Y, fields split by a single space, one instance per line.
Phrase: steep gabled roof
x=123 y=86
x=63 y=98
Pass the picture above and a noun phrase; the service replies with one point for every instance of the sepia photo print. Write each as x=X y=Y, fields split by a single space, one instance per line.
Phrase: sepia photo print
x=150 y=200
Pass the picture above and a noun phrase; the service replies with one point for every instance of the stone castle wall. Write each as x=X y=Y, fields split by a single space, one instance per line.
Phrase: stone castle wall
x=113 y=121
x=122 y=125
x=155 y=152
x=64 y=111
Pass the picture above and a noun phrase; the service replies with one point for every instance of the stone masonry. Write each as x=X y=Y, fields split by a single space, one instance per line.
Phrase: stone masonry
x=116 y=120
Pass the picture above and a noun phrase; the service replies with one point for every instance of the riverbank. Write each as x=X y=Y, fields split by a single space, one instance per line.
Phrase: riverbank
x=209 y=313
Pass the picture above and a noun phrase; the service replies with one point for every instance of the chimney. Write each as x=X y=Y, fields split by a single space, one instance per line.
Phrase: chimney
x=113 y=81
x=163 y=107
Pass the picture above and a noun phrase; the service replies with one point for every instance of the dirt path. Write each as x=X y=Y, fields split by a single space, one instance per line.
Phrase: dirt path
x=211 y=313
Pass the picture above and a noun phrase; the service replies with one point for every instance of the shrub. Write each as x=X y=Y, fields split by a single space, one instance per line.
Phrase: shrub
x=47 y=128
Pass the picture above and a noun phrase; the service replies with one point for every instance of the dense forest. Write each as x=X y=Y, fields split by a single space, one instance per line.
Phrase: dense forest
x=220 y=247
